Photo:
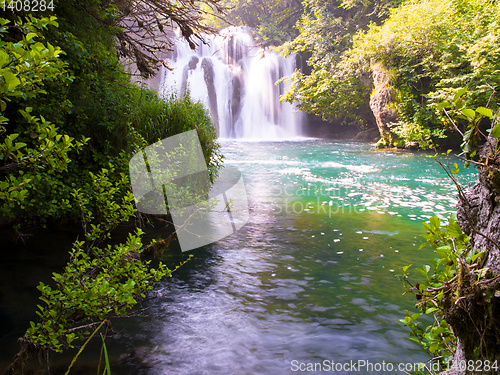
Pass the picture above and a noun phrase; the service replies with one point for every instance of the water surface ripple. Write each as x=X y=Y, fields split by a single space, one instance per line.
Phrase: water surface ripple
x=310 y=277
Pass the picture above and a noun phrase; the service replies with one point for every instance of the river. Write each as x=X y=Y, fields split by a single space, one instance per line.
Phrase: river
x=309 y=278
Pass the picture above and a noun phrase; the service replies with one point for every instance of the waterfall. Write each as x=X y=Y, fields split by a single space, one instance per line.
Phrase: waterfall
x=236 y=79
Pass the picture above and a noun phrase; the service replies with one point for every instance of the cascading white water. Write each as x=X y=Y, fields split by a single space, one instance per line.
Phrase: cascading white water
x=236 y=79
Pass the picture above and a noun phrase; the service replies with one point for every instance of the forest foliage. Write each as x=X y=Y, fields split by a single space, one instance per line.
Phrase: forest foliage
x=75 y=93
x=433 y=49
x=272 y=22
x=330 y=87
x=430 y=49
x=71 y=117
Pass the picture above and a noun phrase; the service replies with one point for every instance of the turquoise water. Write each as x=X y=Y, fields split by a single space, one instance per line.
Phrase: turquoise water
x=310 y=278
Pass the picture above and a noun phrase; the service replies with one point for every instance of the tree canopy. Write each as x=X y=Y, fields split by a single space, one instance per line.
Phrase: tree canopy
x=428 y=49
x=332 y=89
x=433 y=49
x=272 y=21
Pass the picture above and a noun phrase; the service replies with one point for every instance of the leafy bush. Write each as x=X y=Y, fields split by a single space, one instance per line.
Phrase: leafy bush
x=333 y=87
x=434 y=48
x=159 y=118
x=34 y=153
x=86 y=96
x=101 y=280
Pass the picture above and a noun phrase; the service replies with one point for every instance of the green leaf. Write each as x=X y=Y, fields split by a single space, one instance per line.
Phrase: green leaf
x=107 y=369
x=475 y=256
x=454 y=230
x=415 y=316
x=434 y=347
x=459 y=104
x=435 y=221
x=30 y=36
x=4 y=58
x=495 y=133
x=484 y=111
x=11 y=80
x=443 y=105
x=459 y=94
x=422 y=272
x=470 y=113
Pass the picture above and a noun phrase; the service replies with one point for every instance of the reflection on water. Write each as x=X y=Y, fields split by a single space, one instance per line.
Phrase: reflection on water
x=309 y=278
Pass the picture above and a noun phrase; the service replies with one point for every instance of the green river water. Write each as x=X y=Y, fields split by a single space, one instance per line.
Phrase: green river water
x=310 y=278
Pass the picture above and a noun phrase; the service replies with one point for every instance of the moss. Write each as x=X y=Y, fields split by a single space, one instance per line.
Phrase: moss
x=382 y=143
x=400 y=143
x=392 y=105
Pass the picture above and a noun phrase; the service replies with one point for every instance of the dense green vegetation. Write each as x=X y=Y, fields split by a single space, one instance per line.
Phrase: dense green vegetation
x=450 y=45
x=428 y=50
x=333 y=89
x=272 y=21
x=84 y=93
x=71 y=117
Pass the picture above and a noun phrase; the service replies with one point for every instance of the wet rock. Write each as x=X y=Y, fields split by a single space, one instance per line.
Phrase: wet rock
x=209 y=76
x=184 y=81
x=368 y=135
x=236 y=101
x=478 y=214
x=193 y=62
x=230 y=51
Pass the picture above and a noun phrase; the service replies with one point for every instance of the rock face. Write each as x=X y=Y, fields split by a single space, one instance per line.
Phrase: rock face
x=368 y=135
x=193 y=62
x=385 y=115
x=478 y=214
x=208 y=75
x=236 y=99
x=478 y=211
x=190 y=66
